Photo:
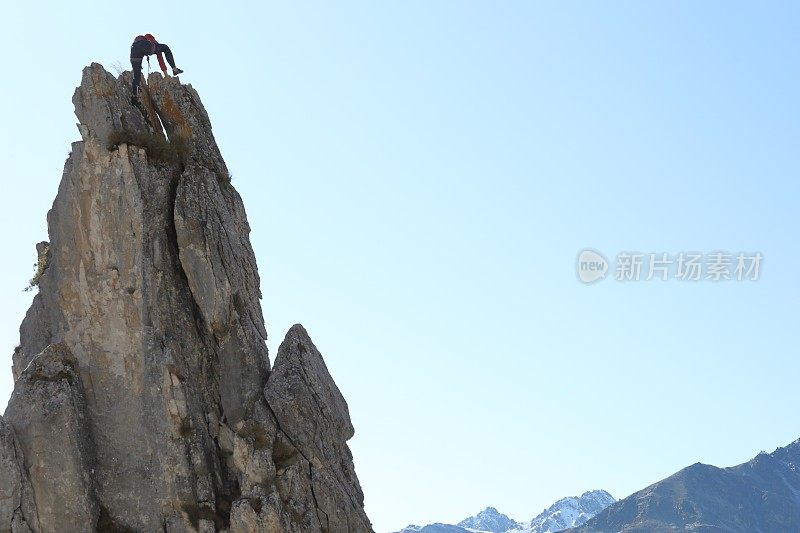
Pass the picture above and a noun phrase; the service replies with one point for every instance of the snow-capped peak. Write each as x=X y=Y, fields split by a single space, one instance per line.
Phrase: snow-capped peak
x=564 y=514
x=491 y=520
x=569 y=512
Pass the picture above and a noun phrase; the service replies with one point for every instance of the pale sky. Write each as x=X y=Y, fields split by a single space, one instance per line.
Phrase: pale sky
x=420 y=178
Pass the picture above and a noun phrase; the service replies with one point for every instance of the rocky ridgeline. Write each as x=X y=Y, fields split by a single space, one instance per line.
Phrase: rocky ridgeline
x=565 y=513
x=762 y=494
x=144 y=397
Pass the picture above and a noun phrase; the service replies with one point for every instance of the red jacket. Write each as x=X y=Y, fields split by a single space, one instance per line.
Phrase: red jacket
x=153 y=41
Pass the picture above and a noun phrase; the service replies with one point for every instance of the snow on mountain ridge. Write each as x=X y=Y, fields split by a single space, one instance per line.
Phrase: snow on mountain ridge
x=489 y=520
x=567 y=512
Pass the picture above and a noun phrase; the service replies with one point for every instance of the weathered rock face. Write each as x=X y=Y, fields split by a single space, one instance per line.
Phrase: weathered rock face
x=315 y=426
x=144 y=399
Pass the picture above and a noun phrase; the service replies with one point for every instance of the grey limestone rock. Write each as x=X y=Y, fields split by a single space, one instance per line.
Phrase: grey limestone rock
x=144 y=399
x=314 y=426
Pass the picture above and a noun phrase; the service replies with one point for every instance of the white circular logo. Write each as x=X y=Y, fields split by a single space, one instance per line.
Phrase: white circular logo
x=592 y=266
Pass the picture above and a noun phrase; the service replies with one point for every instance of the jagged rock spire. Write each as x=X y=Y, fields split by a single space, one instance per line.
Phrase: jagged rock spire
x=144 y=399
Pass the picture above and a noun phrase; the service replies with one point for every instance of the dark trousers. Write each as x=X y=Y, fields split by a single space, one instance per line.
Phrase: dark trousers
x=139 y=49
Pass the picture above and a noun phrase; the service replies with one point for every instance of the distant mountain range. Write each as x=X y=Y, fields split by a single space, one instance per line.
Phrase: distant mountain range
x=762 y=495
x=759 y=496
x=565 y=513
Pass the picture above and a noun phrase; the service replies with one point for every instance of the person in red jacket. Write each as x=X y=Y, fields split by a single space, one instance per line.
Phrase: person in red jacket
x=146 y=45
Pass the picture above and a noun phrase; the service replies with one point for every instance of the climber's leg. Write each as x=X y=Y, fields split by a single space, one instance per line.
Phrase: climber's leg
x=164 y=49
x=136 y=63
x=138 y=50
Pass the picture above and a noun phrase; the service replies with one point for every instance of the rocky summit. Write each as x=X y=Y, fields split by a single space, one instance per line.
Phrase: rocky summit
x=144 y=397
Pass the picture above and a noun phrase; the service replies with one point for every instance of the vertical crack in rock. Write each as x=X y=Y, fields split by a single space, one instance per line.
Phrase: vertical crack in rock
x=313 y=415
x=17 y=507
x=143 y=398
x=47 y=412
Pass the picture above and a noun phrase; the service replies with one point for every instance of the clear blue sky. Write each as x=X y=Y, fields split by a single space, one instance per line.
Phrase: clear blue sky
x=420 y=177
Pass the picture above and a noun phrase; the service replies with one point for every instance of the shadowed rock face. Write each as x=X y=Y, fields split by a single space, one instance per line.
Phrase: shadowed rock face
x=144 y=399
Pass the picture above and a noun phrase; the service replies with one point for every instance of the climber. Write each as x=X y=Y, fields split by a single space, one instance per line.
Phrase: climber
x=146 y=45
